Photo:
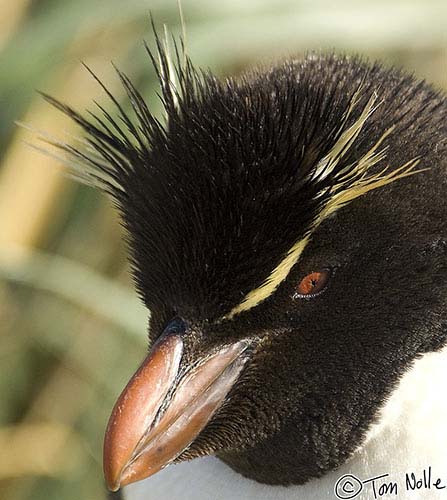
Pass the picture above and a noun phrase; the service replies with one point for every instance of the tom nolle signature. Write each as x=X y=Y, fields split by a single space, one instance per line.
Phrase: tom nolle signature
x=349 y=486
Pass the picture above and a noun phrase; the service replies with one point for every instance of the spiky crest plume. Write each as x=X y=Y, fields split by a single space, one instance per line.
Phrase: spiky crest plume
x=117 y=150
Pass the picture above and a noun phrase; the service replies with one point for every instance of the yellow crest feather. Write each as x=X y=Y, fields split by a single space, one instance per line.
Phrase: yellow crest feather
x=350 y=183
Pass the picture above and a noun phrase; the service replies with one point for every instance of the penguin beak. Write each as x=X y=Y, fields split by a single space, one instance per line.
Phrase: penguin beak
x=164 y=407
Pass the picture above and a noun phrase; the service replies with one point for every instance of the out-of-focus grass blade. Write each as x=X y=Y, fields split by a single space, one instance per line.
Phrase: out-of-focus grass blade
x=78 y=284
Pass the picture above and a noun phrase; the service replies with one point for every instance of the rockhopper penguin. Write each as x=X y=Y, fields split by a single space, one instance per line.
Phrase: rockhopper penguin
x=288 y=234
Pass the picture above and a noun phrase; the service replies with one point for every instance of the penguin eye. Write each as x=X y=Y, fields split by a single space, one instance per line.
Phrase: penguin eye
x=313 y=284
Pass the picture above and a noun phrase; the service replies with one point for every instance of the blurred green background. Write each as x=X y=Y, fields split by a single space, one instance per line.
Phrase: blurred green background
x=71 y=329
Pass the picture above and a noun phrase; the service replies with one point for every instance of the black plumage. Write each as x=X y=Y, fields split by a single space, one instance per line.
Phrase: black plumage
x=214 y=200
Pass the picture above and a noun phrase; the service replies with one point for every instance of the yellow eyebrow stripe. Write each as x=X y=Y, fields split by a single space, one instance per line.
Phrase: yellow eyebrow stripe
x=350 y=183
x=278 y=275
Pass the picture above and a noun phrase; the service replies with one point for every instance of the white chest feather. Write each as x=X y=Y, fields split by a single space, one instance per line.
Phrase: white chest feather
x=411 y=436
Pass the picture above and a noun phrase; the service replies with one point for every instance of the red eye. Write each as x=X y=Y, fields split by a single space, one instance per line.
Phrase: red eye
x=313 y=284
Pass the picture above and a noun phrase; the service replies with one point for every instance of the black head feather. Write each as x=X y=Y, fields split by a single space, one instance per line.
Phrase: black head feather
x=201 y=195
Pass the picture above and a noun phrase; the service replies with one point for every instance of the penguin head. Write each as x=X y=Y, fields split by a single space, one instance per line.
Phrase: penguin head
x=287 y=233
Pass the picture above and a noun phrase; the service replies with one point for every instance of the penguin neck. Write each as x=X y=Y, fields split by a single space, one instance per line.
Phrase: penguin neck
x=408 y=434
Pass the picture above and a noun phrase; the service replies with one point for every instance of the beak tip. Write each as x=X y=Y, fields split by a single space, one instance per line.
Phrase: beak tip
x=113 y=481
x=111 y=466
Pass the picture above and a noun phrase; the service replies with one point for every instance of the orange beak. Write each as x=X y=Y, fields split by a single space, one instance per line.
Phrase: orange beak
x=164 y=407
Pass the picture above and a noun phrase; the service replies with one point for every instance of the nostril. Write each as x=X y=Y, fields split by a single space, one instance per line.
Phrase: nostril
x=176 y=325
